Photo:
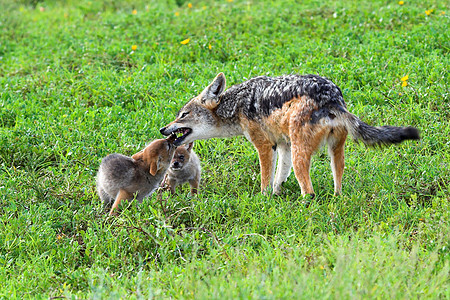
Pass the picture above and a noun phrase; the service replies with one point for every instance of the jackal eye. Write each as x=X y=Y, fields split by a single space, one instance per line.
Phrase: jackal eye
x=181 y=157
x=184 y=114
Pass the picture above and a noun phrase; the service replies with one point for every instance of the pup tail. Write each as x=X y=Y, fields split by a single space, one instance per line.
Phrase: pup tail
x=378 y=136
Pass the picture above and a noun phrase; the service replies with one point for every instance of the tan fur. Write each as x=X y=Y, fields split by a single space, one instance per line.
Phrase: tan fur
x=279 y=120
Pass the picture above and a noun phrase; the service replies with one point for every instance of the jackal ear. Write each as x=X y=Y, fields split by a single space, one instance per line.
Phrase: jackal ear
x=215 y=88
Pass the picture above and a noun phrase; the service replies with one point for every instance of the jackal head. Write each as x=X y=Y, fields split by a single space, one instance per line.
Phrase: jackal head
x=197 y=119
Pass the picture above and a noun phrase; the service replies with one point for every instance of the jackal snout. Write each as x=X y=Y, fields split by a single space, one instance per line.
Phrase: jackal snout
x=163 y=131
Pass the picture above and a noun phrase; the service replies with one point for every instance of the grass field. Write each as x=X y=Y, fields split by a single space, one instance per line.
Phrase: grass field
x=82 y=79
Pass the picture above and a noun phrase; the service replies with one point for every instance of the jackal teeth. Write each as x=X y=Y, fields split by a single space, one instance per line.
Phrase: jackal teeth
x=181 y=134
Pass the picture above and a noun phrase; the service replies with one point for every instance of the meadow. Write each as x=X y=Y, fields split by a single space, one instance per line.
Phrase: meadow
x=82 y=79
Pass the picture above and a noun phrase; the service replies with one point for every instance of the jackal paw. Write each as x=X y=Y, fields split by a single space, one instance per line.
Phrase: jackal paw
x=267 y=191
x=307 y=199
x=277 y=190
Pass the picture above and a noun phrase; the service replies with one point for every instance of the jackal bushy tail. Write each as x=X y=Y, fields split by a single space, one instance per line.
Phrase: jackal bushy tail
x=378 y=136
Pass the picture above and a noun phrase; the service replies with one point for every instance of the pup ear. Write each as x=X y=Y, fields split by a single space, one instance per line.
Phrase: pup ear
x=150 y=159
x=211 y=94
x=138 y=155
x=154 y=165
x=189 y=147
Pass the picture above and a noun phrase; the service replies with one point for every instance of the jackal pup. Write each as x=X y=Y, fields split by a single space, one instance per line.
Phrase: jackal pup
x=121 y=177
x=185 y=167
x=289 y=116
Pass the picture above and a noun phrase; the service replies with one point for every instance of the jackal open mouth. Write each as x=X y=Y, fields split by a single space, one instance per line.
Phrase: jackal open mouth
x=184 y=133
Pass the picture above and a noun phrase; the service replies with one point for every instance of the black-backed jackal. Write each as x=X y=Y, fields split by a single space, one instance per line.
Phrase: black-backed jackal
x=288 y=116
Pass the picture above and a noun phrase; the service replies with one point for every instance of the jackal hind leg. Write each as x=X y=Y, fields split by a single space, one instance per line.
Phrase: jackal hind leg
x=283 y=168
x=305 y=140
x=336 y=146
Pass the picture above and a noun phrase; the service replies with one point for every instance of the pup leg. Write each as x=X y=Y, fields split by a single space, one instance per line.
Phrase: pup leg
x=194 y=185
x=336 y=145
x=172 y=185
x=104 y=197
x=122 y=195
x=305 y=141
x=283 y=168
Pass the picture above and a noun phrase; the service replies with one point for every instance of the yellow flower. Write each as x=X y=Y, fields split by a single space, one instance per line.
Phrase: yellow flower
x=184 y=42
x=190 y=5
x=428 y=12
x=442 y=12
x=204 y=7
x=404 y=83
x=230 y=0
x=134 y=12
x=177 y=14
x=404 y=78
x=134 y=47
x=401 y=2
x=209 y=46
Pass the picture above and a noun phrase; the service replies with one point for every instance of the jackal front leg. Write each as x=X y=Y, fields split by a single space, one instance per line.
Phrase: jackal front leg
x=284 y=167
x=267 y=160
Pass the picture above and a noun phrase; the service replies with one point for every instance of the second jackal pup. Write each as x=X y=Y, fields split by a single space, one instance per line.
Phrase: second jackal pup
x=121 y=177
x=185 y=167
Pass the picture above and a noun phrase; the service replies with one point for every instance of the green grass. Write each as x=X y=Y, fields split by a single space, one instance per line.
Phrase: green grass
x=72 y=91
